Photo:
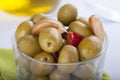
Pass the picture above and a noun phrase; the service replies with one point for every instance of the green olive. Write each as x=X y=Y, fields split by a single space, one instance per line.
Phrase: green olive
x=45 y=57
x=68 y=54
x=67 y=13
x=89 y=47
x=37 y=17
x=80 y=28
x=50 y=40
x=84 y=72
x=24 y=62
x=57 y=75
x=41 y=68
x=83 y=20
x=29 y=45
x=23 y=29
x=35 y=77
x=24 y=73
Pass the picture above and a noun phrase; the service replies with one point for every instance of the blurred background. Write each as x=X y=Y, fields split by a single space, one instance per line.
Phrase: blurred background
x=28 y=7
x=13 y=12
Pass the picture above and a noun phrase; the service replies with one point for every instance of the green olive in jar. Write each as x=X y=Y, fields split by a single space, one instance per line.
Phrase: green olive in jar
x=67 y=13
x=23 y=29
x=89 y=47
x=29 y=45
x=37 y=17
x=68 y=54
x=24 y=73
x=85 y=72
x=35 y=77
x=41 y=68
x=50 y=40
x=83 y=20
x=57 y=75
x=24 y=62
x=80 y=28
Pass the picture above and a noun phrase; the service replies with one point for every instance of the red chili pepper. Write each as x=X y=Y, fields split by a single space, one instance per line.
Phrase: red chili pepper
x=74 y=38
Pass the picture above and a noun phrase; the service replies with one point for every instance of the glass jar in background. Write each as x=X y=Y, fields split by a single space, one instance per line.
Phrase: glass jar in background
x=27 y=7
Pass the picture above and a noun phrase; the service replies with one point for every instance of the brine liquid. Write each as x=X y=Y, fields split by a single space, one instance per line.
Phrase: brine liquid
x=27 y=7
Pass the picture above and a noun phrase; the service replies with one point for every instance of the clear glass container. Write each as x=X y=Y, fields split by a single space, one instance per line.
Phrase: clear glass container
x=91 y=69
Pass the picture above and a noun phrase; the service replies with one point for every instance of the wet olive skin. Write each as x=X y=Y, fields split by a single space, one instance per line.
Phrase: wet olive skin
x=68 y=54
x=40 y=68
x=90 y=50
x=50 y=40
x=83 y=20
x=67 y=13
x=29 y=45
x=23 y=29
x=37 y=17
x=80 y=28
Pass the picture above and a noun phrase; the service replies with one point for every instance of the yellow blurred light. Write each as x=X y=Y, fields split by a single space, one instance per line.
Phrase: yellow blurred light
x=13 y=4
x=27 y=7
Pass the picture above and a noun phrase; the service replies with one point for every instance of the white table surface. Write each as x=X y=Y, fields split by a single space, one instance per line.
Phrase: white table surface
x=112 y=64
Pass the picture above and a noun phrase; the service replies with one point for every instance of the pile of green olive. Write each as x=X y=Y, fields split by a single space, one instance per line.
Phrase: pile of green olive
x=48 y=40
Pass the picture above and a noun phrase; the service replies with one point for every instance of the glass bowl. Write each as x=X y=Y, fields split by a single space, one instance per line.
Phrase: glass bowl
x=28 y=68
